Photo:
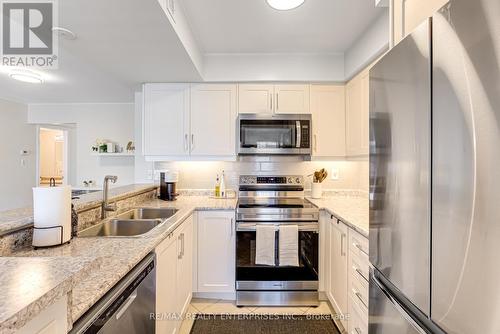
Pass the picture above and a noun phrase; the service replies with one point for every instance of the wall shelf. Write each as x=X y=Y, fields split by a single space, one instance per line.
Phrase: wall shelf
x=113 y=154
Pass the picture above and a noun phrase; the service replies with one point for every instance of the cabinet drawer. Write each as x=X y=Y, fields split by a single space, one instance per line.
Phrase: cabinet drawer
x=358 y=321
x=359 y=292
x=358 y=246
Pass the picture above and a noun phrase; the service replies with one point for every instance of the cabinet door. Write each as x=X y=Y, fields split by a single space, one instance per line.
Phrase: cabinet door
x=51 y=320
x=354 y=116
x=328 y=120
x=292 y=99
x=255 y=99
x=213 y=119
x=166 y=281
x=365 y=113
x=185 y=265
x=324 y=252
x=166 y=119
x=338 y=267
x=216 y=252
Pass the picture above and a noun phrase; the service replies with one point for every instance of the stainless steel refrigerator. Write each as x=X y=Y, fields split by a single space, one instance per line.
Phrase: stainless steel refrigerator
x=435 y=176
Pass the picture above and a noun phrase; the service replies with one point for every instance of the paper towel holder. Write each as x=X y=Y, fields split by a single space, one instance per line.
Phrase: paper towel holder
x=61 y=242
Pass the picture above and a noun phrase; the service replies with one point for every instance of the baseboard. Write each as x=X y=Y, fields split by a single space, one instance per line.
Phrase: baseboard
x=322 y=296
x=215 y=295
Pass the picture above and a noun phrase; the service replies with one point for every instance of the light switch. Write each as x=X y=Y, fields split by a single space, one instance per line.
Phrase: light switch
x=334 y=173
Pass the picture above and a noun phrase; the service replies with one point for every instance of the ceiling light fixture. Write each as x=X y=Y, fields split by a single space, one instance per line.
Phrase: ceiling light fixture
x=64 y=33
x=285 y=4
x=26 y=76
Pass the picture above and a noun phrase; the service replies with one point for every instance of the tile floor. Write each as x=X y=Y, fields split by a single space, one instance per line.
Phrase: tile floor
x=215 y=306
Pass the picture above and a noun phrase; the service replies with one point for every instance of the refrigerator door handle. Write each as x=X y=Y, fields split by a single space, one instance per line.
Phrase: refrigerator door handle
x=397 y=305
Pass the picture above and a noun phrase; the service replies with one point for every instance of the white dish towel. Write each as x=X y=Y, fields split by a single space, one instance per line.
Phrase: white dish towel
x=265 y=245
x=289 y=245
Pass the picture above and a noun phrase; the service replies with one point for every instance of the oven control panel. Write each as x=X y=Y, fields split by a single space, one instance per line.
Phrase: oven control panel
x=281 y=180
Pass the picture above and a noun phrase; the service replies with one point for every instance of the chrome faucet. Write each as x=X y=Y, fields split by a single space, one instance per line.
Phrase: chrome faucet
x=105 y=205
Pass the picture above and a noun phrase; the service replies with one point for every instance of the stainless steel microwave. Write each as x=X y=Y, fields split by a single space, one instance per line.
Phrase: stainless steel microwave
x=277 y=134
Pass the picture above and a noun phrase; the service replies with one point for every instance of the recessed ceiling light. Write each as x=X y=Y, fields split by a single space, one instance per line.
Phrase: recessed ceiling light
x=64 y=33
x=26 y=76
x=285 y=4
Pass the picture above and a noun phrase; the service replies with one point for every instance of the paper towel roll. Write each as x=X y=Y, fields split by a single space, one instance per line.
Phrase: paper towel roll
x=51 y=210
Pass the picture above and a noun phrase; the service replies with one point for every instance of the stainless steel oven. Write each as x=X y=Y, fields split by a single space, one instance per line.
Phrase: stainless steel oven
x=276 y=201
x=279 y=134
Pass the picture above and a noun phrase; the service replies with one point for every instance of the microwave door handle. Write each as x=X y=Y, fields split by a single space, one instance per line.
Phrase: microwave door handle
x=299 y=134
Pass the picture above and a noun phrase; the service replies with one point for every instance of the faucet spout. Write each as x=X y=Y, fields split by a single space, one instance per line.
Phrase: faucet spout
x=106 y=206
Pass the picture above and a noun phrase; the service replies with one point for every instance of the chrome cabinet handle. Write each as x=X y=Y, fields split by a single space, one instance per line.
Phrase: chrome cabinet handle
x=342 y=244
x=358 y=331
x=192 y=142
x=186 y=142
x=277 y=101
x=182 y=244
x=360 y=297
x=315 y=143
x=232 y=226
x=271 y=98
x=360 y=273
x=358 y=246
x=179 y=238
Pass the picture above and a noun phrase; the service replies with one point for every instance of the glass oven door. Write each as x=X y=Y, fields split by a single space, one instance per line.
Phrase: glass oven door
x=247 y=270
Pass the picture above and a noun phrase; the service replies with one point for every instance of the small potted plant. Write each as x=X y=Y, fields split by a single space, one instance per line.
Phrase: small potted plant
x=318 y=178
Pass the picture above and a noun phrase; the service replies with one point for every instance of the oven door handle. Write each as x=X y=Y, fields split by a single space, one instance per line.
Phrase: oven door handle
x=245 y=227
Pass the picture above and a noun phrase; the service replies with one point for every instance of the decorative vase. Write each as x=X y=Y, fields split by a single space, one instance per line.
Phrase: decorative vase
x=316 y=190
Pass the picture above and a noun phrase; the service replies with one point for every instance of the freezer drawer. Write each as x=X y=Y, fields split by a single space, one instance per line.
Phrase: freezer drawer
x=389 y=313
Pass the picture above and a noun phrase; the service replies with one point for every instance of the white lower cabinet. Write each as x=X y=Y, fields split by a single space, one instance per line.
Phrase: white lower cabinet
x=52 y=320
x=174 y=265
x=344 y=272
x=337 y=292
x=216 y=252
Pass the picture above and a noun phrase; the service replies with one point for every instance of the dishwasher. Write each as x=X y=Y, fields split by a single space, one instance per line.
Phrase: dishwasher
x=128 y=308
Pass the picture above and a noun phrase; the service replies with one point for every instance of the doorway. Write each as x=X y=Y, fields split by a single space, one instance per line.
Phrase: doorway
x=52 y=156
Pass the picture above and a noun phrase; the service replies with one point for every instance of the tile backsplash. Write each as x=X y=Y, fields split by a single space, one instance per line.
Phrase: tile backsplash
x=202 y=174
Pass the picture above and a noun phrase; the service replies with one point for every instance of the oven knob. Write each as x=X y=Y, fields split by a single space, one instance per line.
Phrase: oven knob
x=290 y=180
x=297 y=180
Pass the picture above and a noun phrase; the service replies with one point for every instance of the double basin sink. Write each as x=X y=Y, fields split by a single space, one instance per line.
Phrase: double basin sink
x=131 y=223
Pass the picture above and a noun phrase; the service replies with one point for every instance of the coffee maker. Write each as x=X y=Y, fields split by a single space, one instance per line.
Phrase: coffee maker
x=168 y=182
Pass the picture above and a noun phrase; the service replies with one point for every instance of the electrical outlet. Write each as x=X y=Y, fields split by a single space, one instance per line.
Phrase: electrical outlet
x=334 y=173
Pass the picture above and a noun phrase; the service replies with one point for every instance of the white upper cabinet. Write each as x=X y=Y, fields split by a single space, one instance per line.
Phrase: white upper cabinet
x=213 y=120
x=357 y=115
x=328 y=120
x=166 y=119
x=292 y=99
x=255 y=99
x=273 y=99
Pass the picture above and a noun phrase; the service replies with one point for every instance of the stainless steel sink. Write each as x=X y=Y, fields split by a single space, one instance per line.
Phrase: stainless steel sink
x=121 y=228
x=148 y=213
x=131 y=223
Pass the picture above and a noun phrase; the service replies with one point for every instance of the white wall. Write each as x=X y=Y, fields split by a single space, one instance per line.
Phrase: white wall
x=372 y=44
x=274 y=67
x=16 y=135
x=113 y=121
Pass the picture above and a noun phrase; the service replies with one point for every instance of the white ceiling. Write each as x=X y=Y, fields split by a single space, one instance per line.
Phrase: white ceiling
x=119 y=45
x=251 y=26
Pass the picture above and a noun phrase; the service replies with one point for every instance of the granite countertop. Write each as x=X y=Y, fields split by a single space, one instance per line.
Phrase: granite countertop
x=352 y=210
x=17 y=219
x=114 y=257
x=31 y=284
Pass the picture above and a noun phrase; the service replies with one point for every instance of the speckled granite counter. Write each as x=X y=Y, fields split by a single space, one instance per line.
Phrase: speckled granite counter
x=17 y=219
x=117 y=256
x=31 y=284
x=352 y=210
